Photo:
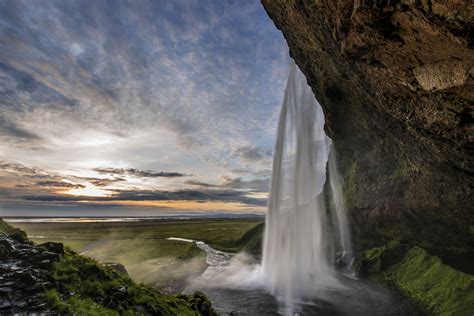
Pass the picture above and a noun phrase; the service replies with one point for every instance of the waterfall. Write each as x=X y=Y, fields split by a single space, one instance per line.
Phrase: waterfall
x=340 y=222
x=298 y=248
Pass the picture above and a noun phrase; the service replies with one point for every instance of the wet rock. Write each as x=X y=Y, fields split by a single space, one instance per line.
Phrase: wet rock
x=4 y=252
x=24 y=275
x=53 y=247
x=19 y=236
x=50 y=256
x=45 y=264
x=26 y=278
x=7 y=243
x=200 y=303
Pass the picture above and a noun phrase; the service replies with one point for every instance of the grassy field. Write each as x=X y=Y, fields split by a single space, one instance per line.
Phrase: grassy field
x=141 y=246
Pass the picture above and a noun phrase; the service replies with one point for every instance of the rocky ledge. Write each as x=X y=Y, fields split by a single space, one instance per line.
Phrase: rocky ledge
x=25 y=274
x=48 y=278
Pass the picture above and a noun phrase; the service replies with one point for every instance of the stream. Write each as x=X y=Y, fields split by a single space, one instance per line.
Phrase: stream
x=234 y=285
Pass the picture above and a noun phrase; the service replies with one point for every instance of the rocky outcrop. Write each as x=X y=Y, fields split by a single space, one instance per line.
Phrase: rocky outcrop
x=25 y=272
x=395 y=80
x=50 y=279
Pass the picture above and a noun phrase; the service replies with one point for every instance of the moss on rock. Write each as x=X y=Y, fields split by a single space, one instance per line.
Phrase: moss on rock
x=85 y=287
x=250 y=242
x=16 y=233
x=350 y=186
x=424 y=278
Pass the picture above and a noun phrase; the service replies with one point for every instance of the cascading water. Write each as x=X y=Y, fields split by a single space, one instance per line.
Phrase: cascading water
x=306 y=234
x=298 y=247
x=339 y=221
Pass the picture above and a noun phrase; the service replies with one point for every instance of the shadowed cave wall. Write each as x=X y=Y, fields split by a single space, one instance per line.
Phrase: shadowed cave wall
x=395 y=80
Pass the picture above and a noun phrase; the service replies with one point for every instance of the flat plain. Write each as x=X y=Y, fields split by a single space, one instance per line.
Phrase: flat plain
x=141 y=246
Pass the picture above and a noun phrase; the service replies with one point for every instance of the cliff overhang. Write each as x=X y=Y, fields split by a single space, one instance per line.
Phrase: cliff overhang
x=395 y=80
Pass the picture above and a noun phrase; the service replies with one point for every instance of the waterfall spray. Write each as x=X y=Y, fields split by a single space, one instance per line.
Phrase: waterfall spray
x=297 y=256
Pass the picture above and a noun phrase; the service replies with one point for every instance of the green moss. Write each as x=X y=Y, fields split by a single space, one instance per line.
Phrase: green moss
x=83 y=285
x=440 y=288
x=250 y=242
x=10 y=230
x=76 y=306
x=437 y=287
x=349 y=186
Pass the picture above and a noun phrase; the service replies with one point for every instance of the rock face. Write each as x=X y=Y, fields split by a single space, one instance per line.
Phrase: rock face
x=25 y=274
x=395 y=80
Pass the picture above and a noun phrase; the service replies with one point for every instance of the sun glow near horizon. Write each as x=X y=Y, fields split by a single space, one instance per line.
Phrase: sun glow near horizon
x=88 y=190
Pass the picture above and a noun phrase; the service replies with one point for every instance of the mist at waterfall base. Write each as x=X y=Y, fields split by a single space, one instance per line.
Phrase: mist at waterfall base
x=306 y=231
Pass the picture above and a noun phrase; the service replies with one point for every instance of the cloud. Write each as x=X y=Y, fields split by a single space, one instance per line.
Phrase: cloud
x=22 y=170
x=140 y=173
x=59 y=184
x=10 y=130
x=201 y=184
x=255 y=185
x=99 y=182
x=193 y=86
x=251 y=153
x=155 y=195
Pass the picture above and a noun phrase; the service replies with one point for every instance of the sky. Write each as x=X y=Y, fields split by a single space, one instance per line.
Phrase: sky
x=137 y=108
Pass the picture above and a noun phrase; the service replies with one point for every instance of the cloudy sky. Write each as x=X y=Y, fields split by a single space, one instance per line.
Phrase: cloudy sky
x=137 y=108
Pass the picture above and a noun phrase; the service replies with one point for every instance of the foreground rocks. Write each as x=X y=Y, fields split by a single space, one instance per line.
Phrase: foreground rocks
x=25 y=272
x=50 y=279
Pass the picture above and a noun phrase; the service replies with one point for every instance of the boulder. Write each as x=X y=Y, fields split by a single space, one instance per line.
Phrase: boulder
x=53 y=247
x=7 y=243
x=4 y=252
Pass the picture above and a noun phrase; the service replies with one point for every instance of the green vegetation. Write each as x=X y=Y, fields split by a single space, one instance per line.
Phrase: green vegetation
x=142 y=246
x=9 y=230
x=349 y=185
x=250 y=242
x=83 y=287
x=424 y=278
x=76 y=306
x=78 y=285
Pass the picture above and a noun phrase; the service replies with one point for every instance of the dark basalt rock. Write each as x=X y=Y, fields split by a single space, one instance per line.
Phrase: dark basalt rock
x=201 y=304
x=24 y=275
x=395 y=80
x=48 y=279
x=4 y=252
x=53 y=247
